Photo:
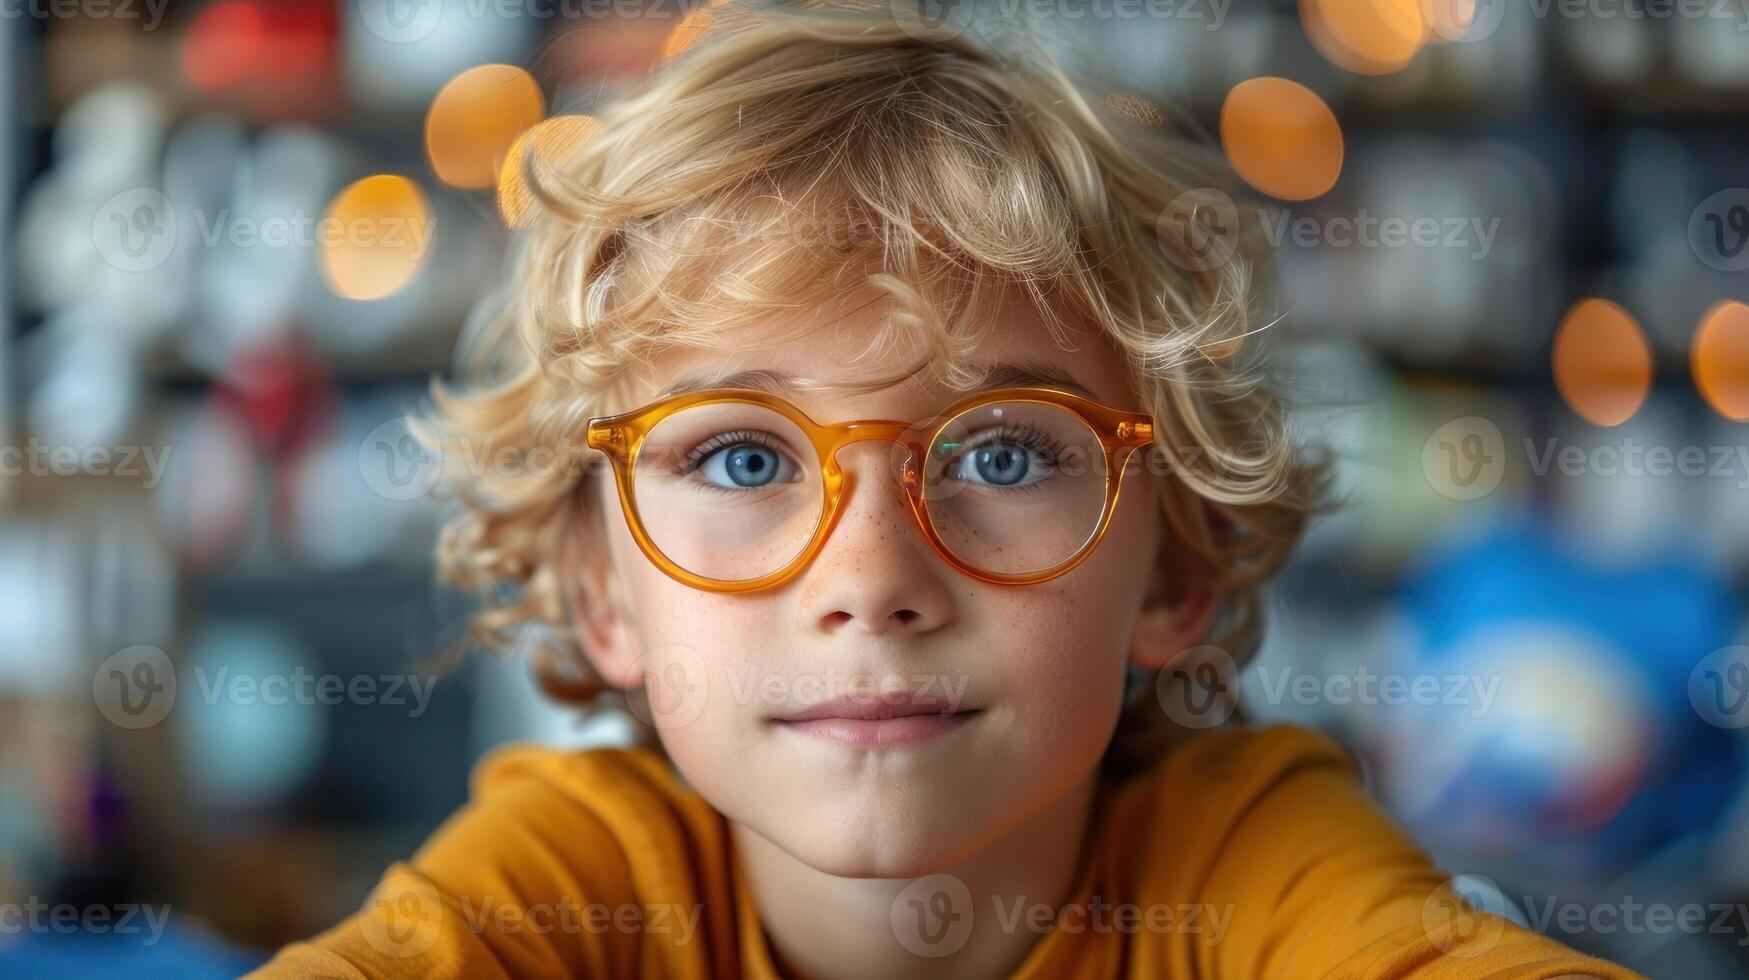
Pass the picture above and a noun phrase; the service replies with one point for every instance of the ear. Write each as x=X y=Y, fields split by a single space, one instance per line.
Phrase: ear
x=595 y=602
x=1174 y=617
x=1169 y=625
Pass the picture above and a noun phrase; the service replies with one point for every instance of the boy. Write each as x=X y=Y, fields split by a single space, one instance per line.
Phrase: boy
x=921 y=455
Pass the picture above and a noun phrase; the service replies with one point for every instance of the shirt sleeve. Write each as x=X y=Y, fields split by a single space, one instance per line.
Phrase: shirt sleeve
x=497 y=891
x=1320 y=883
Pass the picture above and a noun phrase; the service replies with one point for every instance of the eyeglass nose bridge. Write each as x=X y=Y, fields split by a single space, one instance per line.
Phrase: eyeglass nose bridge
x=840 y=483
x=908 y=436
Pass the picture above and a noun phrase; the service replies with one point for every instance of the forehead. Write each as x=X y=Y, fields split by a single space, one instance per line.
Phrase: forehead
x=841 y=358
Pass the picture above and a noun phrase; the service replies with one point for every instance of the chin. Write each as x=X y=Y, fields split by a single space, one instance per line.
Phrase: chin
x=874 y=859
x=874 y=843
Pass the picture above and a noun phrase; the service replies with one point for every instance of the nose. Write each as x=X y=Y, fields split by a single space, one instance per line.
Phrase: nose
x=876 y=574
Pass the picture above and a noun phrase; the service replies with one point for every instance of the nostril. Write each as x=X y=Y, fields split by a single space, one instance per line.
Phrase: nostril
x=905 y=616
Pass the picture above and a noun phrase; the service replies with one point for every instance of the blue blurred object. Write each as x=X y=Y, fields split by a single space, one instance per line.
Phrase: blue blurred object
x=1591 y=755
x=184 y=951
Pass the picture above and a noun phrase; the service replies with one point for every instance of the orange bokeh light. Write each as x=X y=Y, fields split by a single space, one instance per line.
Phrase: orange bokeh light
x=1720 y=360
x=1281 y=138
x=1602 y=364
x=552 y=142
x=475 y=119
x=1368 y=37
x=375 y=237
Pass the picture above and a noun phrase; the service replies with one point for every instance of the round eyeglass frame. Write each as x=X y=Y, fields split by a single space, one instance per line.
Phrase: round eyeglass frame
x=621 y=437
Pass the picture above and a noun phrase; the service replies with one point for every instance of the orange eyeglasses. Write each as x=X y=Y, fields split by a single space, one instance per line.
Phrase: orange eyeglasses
x=737 y=489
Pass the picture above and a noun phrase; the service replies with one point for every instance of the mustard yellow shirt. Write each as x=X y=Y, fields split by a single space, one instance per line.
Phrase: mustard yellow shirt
x=1244 y=853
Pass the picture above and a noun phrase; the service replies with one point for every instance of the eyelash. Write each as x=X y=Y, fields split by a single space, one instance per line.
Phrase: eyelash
x=1031 y=437
x=696 y=456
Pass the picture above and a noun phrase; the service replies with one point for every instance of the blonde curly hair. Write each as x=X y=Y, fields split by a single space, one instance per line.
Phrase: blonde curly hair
x=794 y=150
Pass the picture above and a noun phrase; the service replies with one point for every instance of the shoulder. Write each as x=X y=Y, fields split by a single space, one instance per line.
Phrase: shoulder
x=612 y=816
x=1260 y=789
x=1226 y=770
x=551 y=848
x=632 y=794
x=601 y=777
x=1272 y=748
x=1271 y=834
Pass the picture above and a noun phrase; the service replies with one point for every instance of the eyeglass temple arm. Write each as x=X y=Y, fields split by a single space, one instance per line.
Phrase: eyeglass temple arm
x=1137 y=432
x=605 y=437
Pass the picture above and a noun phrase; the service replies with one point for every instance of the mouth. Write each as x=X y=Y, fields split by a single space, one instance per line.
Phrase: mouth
x=864 y=724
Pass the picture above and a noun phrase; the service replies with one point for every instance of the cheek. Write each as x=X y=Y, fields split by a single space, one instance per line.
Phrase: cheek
x=664 y=611
x=1071 y=636
x=1064 y=663
x=708 y=643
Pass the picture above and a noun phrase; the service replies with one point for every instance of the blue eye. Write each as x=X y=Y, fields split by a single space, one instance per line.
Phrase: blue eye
x=1007 y=457
x=746 y=459
x=1002 y=464
x=744 y=466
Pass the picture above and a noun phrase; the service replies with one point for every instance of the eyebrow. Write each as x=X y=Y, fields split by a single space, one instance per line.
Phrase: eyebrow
x=1003 y=374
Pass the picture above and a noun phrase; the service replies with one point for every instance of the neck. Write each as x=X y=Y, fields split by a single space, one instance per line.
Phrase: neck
x=824 y=927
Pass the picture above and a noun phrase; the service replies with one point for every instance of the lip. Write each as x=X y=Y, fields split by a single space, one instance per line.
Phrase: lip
x=863 y=723
x=872 y=708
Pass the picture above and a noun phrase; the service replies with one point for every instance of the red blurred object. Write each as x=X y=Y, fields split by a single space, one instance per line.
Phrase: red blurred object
x=223 y=44
x=303 y=39
x=284 y=391
x=277 y=59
